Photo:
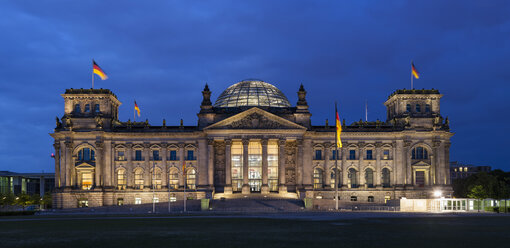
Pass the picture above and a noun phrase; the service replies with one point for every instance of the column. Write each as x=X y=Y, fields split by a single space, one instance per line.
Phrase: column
x=361 y=172
x=129 y=170
x=378 y=172
x=68 y=164
x=299 y=164
x=108 y=164
x=246 y=185
x=202 y=164
x=181 y=162
x=164 y=168
x=307 y=164
x=99 y=177
x=210 y=162
x=228 y=166
x=56 y=145
x=265 y=186
x=446 y=162
x=345 y=171
x=147 y=177
x=327 y=152
x=408 y=180
x=281 y=166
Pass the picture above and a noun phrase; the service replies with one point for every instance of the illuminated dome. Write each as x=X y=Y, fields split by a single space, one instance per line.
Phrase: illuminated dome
x=252 y=93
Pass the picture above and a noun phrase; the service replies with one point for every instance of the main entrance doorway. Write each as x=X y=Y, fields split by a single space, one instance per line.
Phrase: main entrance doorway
x=255 y=166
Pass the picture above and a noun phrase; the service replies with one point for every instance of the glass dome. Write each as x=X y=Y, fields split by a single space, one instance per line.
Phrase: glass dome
x=252 y=93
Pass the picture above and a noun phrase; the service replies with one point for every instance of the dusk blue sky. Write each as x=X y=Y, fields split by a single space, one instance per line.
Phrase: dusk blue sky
x=162 y=53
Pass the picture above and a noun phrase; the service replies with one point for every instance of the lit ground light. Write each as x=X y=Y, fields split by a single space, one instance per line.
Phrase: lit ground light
x=466 y=231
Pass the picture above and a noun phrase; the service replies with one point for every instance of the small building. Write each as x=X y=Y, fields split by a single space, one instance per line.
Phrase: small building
x=30 y=183
x=438 y=205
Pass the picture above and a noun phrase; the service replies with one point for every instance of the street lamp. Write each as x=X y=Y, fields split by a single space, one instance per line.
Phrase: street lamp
x=438 y=193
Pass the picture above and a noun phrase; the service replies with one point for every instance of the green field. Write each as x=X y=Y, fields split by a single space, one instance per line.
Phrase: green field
x=239 y=231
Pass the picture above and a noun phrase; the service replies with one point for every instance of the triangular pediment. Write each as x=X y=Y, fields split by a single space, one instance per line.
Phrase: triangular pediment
x=421 y=164
x=255 y=118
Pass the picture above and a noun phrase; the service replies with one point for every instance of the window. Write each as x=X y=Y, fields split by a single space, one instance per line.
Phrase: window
x=272 y=165
x=86 y=180
x=155 y=200
x=318 y=154
x=353 y=177
x=386 y=199
x=352 y=154
x=386 y=154
x=156 y=178
x=419 y=153
x=369 y=155
x=86 y=154
x=333 y=155
x=138 y=201
x=173 y=178
x=120 y=156
x=121 y=179
x=427 y=108
x=77 y=108
x=333 y=179
x=317 y=178
x=408 y=108
x=420 y=178
x=97 y=109
x=120 y=201
x=385 y=177
x=354 y=198
x=138 y=155
x=370 y=199
x=138 y=178
x=369 y=177
x=173 y=155
x=418 y=108
x=155 y=155
x=87 y=108
x=83 y=203
x=255 y=166
x=191 y=178
x=190 y=155
x=237 y=166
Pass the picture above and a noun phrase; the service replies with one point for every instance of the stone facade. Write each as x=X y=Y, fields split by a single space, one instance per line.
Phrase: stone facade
x=248 y=150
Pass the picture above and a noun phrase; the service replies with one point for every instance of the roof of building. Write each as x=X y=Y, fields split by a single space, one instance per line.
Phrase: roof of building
x=253 y=93
x=414 y=91
x=90 y=91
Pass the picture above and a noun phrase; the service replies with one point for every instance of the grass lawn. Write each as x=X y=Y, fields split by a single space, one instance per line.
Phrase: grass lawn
x=92 y=231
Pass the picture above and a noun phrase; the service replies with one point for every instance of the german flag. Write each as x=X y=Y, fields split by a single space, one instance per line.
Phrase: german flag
x=137 y=109
x=414 y=71
x=98 y=71
x=338 y=129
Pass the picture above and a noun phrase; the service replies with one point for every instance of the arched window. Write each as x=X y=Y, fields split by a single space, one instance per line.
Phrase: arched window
x=87 y=108
x=77 y=109
x=385 y=177
x=317 y=178
x=191 y=177
x=420 y=153
x=156 y=178
x=333 y=179
x=138 y=178
x=173 y=178
x=369 y=177
x=86 y=154
x=121 y=179
x=353 y=176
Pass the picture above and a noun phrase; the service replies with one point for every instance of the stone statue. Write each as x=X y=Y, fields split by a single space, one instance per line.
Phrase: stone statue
x=59 y=125
x=99 y=122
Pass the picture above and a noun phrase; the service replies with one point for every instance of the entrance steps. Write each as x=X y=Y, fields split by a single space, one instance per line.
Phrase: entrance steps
x=276 y=196
x=257 y=204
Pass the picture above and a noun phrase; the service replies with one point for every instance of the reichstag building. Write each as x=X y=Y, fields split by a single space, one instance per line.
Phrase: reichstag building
x=250 y=143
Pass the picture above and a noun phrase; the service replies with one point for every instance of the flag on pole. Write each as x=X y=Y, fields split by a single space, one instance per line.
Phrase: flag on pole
x=137 y=109
x=338 y=129
x=184 y=169
x=98 y=71
x=414 y=71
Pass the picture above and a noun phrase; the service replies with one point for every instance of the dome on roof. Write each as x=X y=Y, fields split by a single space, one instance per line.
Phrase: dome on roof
x=252 y=93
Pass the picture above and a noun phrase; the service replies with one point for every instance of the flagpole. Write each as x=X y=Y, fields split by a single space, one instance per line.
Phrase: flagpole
x=184 y=177
x=411 y=78
x=366 y=110
x=153 y=186
x=134 y=113
x=92 y=74
x=336 y=159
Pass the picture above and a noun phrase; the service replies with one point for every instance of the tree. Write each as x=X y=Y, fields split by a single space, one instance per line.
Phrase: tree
x=478 y=192
x=7 y=199
x=47 y=200
x=24 y=200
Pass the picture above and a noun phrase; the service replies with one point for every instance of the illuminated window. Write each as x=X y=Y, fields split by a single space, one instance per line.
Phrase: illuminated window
x=191 y=178
x=272 y=165
x=317 y=178
x=138 y=201
x=386 y=154
x=83 y=203
x=121 y=179
x=120 y=156
x=386 y=199
x=419 y=153
x=120 y=201
x=333 y=179
x=87 y=108
x=138 y=178
x=155 y=200
x=237 y=166
x=86 y=180
x=255 y=166
x=173 y=178
x=156 y=178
